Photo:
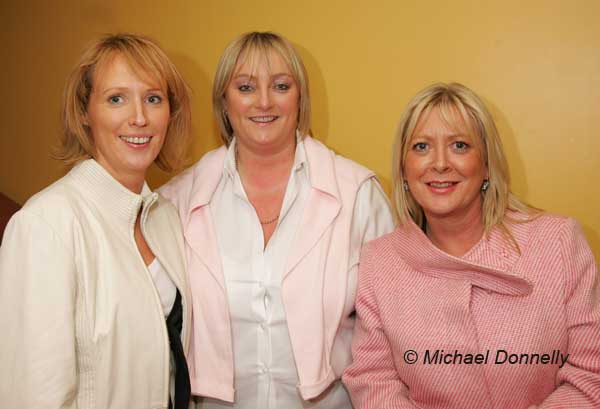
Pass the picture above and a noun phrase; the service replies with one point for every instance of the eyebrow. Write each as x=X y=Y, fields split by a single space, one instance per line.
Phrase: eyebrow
x=114 y=89
x=280 y=74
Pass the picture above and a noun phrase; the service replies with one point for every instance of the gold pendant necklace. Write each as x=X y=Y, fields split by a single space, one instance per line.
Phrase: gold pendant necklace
x=264 y=223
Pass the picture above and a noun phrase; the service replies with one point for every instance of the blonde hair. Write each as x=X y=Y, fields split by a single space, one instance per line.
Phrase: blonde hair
x=145 y=57
x=451 y=100
x=249 y=46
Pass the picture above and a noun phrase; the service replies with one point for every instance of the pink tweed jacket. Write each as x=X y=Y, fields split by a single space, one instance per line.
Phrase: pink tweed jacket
x=492 y=329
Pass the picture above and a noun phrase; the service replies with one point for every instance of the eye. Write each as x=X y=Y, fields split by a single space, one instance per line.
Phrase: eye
x=282 y=87
x=115 y=99
x=154 y=99
x=460 y=146
x=420 y=147
x=245 y=88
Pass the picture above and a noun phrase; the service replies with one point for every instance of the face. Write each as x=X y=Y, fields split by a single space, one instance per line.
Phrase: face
x=128 y=117
x=444 y=169
x=261 y=101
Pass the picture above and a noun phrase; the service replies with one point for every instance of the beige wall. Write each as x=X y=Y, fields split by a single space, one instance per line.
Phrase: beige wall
x=536 y=63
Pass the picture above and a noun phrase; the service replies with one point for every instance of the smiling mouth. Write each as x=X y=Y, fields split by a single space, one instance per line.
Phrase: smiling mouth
x=263 y=119
x=136 y=140
x=441 y=184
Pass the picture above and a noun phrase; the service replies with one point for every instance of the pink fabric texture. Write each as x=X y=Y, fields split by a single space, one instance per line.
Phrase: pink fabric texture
x=313 y=284
x=415 y=300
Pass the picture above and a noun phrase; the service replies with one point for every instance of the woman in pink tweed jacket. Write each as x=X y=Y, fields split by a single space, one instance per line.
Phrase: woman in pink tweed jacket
x=476 y=300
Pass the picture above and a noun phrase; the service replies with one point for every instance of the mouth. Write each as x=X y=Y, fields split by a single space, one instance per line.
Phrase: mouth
x=441 y=185
x=263 y=119
x=136 y=140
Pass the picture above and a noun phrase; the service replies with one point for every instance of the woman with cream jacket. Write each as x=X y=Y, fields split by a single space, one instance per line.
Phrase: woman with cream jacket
x=94 y=299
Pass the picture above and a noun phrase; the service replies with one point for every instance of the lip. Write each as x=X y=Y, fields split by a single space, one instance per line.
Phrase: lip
x=263 y=120
x=441 y=187
x=136 y=141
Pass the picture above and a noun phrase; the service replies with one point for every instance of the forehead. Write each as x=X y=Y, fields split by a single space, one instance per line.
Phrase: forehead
x=116 y=66
x=255 y=60
x=443 y=119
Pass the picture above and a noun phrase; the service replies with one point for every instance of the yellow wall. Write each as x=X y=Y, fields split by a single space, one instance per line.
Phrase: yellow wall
x=536 y=63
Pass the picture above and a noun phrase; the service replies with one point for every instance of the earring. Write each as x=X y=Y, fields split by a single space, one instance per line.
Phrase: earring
x=405 y=185
x=485 y=185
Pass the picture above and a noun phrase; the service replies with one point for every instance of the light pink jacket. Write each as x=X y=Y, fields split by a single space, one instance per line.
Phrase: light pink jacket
x=414 y=297
x=314 y=283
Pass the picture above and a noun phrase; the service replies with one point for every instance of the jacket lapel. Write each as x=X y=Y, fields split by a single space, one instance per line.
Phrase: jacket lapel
x=323 y=203
x=418 y=251
x=200 y=231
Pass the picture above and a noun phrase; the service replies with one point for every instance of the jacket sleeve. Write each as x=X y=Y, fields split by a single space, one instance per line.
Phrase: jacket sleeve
x=578 y=380
x=372 y=379
x=37 y=314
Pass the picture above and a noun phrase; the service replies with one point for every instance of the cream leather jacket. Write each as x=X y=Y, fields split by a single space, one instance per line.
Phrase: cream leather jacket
x=82 y=322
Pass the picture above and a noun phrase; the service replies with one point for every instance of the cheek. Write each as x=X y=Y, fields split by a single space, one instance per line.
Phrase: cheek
x=290 y=103
x=236 y=104
x=473 y=167
x=164 y=119
x=413 y=167
x=100 y=126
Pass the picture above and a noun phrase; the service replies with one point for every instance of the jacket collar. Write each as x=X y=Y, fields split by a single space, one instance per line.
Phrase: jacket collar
x=322 y=206
x=108 y=195
x=322 y=172
x=489 y=265
x=208 y=176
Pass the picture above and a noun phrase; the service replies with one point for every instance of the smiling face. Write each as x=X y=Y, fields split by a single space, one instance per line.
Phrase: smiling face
x=444 y=168
x=128 y=116
x=261 y=102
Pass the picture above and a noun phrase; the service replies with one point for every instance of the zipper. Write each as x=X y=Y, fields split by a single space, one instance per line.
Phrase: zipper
x=157 y=302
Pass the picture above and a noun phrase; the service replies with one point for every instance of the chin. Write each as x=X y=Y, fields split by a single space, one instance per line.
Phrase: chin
x=138 y=166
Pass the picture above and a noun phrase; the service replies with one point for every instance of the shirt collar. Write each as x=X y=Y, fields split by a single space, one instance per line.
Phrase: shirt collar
x=230 y=165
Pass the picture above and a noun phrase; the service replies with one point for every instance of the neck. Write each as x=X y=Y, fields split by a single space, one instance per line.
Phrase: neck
x=133 y=184
x=264 y=168
x=133 y=181
x=455 y=235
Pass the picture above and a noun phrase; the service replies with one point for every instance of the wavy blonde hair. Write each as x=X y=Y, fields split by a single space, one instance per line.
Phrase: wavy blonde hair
x=146 y=58
x=452 y=99
x=251 y=47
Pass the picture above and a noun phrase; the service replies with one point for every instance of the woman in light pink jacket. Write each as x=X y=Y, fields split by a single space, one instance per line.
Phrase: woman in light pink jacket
x=476 y=300
x=273 y=223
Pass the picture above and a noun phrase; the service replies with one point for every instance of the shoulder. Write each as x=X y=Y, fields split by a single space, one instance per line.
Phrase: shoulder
x=346 y=170
x=541 y=229
x=383 y=250
x=381 y=265
x=51 y=214
x=552 y=239
x=207 y=171
x=57 y=204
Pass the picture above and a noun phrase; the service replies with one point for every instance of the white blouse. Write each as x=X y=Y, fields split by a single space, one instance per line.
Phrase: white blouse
x=265 y=372
x=167 y=292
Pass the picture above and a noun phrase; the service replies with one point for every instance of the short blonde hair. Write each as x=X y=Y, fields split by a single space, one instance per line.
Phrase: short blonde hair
x=249 y=46
x=451 y=100
x=145 y=57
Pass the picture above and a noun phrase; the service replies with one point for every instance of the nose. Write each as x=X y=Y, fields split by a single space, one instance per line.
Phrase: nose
x=264 y=98
x=138 y=115
x=440 y=160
